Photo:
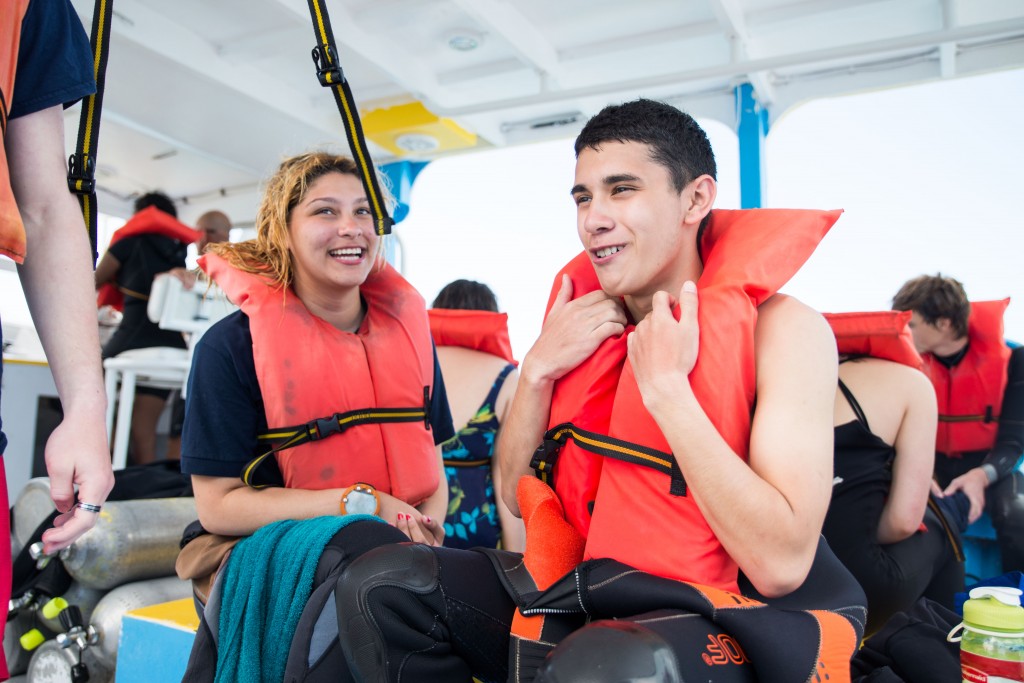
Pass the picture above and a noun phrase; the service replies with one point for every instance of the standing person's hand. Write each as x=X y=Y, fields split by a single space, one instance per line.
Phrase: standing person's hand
x=76 y=455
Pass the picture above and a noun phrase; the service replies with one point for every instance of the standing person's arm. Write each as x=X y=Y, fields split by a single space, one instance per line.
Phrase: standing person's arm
x=572 y=332
x=58 y=282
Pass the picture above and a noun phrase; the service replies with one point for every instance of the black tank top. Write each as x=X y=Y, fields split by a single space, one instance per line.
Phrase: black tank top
x=862 y=476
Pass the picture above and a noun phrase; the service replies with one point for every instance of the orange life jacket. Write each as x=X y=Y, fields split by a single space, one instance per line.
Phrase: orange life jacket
x=970 y=394
x=308 y=369
x=12 y=230
x=879 y=334
x=629 y=512
x=149 y=221
x=476 y=330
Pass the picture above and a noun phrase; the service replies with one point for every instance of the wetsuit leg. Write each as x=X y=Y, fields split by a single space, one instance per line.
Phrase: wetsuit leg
x=1005 y=505
x=413 y=613
x=666 y=646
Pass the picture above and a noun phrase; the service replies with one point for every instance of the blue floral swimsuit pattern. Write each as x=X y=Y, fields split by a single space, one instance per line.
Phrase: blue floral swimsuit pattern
x=472 y=519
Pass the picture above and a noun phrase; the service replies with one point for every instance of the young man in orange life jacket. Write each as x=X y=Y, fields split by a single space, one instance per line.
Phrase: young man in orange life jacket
x=979 y=384
x=657 y=339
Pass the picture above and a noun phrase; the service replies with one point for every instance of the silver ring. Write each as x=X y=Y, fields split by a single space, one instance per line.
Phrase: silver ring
x=88 y=507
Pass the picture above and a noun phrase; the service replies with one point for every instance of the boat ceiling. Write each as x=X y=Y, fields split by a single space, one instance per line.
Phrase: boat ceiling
x=204 y=98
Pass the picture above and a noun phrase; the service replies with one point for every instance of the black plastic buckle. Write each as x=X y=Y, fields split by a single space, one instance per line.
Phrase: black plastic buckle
x=545 y=455
x=328 y=69
x=324 y=427
x=77 y=174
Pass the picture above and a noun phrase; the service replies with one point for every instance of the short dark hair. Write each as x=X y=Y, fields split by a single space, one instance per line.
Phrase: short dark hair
x=933 y=297
x=676 y=140
x=466 y=295
x=157 y=199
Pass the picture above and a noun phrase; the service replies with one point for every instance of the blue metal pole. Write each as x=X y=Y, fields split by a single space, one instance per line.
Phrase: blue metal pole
x=751 y=129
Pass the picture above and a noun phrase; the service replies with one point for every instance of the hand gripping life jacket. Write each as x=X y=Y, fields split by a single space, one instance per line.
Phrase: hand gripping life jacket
x=879 y=334
x=475 y=330
x=632 y=505
x=12 y=230
x=369 y=390
x=149 y=221
x=970 y=394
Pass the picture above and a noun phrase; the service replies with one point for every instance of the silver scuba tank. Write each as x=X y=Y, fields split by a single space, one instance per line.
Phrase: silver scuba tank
x=52 y=663
x=132 y=540
x=31 y=508
x=17 y=654
x=106 y=618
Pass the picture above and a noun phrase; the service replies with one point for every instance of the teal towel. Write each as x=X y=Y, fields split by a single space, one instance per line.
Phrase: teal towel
x=265 y=586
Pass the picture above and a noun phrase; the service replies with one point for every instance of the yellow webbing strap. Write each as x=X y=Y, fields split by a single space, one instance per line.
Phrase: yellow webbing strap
x=330 y=74
x=82 y=164
x=314 y=430
x=546 y=455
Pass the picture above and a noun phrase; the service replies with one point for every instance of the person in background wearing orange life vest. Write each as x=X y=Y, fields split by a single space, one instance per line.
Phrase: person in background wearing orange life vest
x=152 y=242
x=46 y=65
x=480 y=377
x=880 y=523
x=673 y=491
x=316 y=410
x=215 y=227
x=979 y=384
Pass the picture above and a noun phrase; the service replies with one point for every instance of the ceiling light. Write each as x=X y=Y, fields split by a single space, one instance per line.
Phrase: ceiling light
x=465 y=40
x=417 y=143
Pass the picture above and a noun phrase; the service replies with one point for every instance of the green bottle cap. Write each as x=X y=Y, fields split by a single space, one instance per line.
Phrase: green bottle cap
x=995 y=608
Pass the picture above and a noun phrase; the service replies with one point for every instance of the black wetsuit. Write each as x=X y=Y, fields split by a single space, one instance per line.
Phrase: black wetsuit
x=893 y=575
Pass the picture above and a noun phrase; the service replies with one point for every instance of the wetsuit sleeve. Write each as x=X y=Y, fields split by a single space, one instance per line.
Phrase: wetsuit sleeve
x=54 y=59
x=1005 y=456
x=223 y=407
x=440 y=413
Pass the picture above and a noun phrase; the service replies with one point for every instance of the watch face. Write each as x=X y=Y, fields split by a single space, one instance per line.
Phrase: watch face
x=360 y=503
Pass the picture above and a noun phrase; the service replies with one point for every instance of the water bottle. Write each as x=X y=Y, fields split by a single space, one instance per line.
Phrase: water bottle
x=992 y=645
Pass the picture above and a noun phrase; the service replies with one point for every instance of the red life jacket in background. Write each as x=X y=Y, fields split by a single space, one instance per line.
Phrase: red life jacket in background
x=475 y=330
x=747 y=256
x=970 y=394
x=12 y=230
x=309 y=369
x=149 y=221
x=879 y=334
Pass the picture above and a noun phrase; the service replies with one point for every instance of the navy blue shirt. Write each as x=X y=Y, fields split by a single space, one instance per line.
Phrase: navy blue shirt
x=224 y=405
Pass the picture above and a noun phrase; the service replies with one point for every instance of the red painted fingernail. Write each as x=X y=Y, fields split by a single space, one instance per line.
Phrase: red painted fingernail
x=428 y=519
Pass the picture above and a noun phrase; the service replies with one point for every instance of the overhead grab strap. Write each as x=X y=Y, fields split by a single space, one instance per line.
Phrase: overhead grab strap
x=330 y=75
x=82 y=164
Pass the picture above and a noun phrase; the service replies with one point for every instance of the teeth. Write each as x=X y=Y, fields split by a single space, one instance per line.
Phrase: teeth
x=607 y=251
x=348 y=251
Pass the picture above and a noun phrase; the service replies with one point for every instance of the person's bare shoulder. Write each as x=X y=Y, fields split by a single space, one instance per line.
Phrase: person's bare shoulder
x=783 y=321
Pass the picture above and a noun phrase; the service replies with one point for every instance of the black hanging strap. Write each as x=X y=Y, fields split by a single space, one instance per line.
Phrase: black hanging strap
x=82 y=164
x=330 y=75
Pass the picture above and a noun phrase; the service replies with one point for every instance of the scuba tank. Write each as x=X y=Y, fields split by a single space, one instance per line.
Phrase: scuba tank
x=52 y=663
x=106 y=618
x=992 y=645
x=30 y=509
x=132 y=540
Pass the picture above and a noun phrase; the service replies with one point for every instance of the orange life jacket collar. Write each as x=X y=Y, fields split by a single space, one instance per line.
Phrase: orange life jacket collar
x=879 y=334
x=475 y=330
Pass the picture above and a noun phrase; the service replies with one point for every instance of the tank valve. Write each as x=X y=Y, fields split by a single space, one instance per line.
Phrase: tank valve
x=76 y=633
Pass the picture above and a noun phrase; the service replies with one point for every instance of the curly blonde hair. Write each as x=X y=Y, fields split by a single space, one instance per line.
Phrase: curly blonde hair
x=268 y=254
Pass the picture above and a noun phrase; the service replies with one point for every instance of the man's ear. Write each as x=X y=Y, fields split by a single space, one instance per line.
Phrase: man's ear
x=943 y=325
x=699 y=196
